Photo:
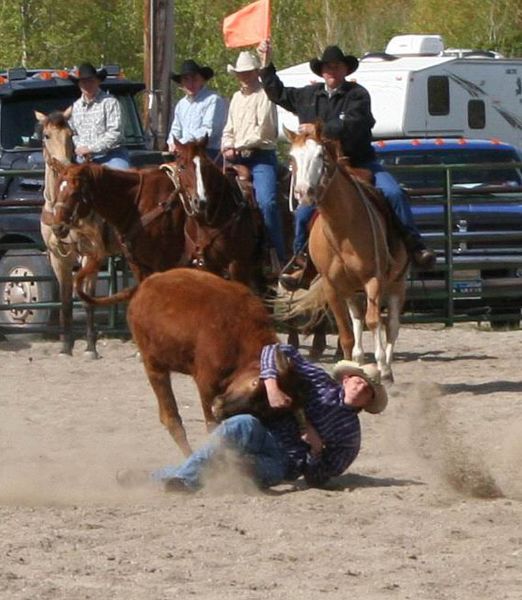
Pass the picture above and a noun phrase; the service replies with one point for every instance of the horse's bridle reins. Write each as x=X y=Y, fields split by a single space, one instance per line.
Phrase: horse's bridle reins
x=329 y=168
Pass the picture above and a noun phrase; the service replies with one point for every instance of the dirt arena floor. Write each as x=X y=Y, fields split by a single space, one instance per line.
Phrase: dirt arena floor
x=431 y=509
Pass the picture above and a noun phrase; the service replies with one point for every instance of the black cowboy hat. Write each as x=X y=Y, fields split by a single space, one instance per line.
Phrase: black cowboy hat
x=86 y=71
x=191 y=67
x=334 y=54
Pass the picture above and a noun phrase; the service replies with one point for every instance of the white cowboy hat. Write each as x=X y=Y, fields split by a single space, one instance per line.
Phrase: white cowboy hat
x=245 y=62
x=369 y=373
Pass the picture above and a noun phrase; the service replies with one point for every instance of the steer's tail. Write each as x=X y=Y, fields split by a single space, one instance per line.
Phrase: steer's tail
x=91 y=269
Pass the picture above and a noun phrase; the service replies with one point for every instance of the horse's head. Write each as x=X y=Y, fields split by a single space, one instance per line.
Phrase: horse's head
x=311 y=156
x=56 y=135
x=307 y=156
x=73 y=199
x=193 y=166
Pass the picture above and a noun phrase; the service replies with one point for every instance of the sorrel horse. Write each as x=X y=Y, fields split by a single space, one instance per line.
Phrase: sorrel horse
x=142 y=205
x=353 y=248
x=223 y=230
x=88 y=243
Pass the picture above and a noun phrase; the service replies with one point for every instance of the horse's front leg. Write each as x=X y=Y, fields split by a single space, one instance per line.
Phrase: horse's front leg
x=356 y=308
x=340 y=312
x=374 y=324
x=395 y=303
x=62 y=267
x=91 y=266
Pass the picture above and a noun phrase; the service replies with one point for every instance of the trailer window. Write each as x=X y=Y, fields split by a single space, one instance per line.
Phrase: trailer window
x=438 y=95
x=476 y=114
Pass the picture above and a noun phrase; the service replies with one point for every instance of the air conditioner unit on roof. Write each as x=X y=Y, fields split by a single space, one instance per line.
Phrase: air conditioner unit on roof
x=415 y=45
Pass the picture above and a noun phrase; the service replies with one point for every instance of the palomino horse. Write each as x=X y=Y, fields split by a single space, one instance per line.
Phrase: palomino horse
x=223 y=231
x=142 y=205
x=88 y=243
x=352 y=247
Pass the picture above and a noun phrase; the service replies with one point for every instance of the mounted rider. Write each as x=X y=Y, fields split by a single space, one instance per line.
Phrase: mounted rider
x=250 y=138
x=344 y=108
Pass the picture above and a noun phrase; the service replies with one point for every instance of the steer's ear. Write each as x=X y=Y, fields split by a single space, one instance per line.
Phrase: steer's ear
x=40 y=117
x=57 y=166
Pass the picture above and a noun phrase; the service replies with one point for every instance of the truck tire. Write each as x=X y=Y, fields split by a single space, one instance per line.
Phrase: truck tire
x=18 y=263
x=508 y=322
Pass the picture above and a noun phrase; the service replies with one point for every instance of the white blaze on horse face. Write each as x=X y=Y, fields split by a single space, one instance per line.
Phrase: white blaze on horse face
x=63 y=186
x=309 y=163
x=200 y=186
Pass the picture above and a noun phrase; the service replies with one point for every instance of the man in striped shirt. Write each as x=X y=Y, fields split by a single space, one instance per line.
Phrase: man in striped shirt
x=281 y=450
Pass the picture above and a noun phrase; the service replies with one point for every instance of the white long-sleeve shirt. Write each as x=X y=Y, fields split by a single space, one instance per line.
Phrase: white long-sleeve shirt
x=252 y=122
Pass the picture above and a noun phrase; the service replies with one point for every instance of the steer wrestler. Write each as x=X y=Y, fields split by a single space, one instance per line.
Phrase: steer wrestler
x=324 y=447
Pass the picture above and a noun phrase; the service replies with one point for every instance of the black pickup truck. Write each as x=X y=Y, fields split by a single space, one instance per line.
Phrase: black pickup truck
x=21 y=246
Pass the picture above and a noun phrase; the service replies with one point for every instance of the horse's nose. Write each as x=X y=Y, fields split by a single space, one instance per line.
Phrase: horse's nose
x=60 y=230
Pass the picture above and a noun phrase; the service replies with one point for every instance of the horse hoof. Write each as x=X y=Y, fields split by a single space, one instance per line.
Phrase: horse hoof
x=65 y=353
x=91 y=354
x=387 y=377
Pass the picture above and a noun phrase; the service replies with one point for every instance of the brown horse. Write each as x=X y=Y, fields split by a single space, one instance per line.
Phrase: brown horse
x=353 y=249
x=224 y=230
x=88 y=243
x=142 y=205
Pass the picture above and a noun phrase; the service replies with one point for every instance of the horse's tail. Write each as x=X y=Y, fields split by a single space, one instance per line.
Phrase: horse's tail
x=311 y=303
x=89 y=269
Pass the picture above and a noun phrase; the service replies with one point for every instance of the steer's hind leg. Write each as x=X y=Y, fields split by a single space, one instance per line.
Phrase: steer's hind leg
x=168 y=409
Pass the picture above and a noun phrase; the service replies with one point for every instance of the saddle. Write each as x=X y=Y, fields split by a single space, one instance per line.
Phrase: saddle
x=240 y=176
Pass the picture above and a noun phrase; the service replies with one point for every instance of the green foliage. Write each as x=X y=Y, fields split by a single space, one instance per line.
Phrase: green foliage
x=39 y=33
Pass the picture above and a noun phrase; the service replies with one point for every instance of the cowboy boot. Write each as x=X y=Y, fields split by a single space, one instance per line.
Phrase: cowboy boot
x=420 y=254
x=302 y=273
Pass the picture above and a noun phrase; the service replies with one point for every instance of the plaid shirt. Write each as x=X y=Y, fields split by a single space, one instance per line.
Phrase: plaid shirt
x=97 y=124
x=336 y=423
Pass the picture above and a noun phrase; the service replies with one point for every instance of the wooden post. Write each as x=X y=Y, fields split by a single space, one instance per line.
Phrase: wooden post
x=158 y=31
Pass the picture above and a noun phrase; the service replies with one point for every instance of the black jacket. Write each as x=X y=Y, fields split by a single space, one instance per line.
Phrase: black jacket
x=346 y=114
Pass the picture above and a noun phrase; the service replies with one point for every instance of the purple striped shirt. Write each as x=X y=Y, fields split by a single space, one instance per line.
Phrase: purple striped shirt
x=336 y=423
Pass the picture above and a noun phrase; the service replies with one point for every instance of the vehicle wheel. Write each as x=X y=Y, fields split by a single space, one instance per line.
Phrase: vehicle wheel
x=507 y=322
x=25 y=263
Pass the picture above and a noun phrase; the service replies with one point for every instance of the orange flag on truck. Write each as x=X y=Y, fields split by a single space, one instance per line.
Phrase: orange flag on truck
x=248 y=26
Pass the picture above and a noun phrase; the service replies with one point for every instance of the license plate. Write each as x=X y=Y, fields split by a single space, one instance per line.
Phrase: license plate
x=469 y=288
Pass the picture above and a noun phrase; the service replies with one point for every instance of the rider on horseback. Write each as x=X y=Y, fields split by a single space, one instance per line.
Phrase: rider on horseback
x=344 y=109
x=249 y=139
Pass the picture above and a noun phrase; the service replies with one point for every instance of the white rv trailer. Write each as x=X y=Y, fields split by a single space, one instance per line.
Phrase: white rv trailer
x=420 y=89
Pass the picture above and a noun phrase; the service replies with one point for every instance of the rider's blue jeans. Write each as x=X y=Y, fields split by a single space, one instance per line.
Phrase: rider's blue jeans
x=392 y=191
x=263 y=166
x=250 y=438
x=114 y=159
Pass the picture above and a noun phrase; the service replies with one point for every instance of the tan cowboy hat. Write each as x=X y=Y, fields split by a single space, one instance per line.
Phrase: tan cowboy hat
x=245 y=62
x=372 y=375
x=334 y=54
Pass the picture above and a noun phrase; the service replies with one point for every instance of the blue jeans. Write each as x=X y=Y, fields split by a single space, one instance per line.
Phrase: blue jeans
x=263 y=166
x=250 y=438
x=392 y=191
x=114 y=159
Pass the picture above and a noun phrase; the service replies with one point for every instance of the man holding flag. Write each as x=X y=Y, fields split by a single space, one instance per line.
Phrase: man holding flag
x=344 y=108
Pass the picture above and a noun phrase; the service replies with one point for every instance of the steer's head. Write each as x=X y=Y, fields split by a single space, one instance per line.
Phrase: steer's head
x=246 y=392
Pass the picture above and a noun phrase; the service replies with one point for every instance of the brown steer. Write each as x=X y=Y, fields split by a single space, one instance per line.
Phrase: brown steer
x=193 y=322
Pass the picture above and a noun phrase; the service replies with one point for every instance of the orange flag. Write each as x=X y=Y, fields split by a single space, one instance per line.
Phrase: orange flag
x=248 y=26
